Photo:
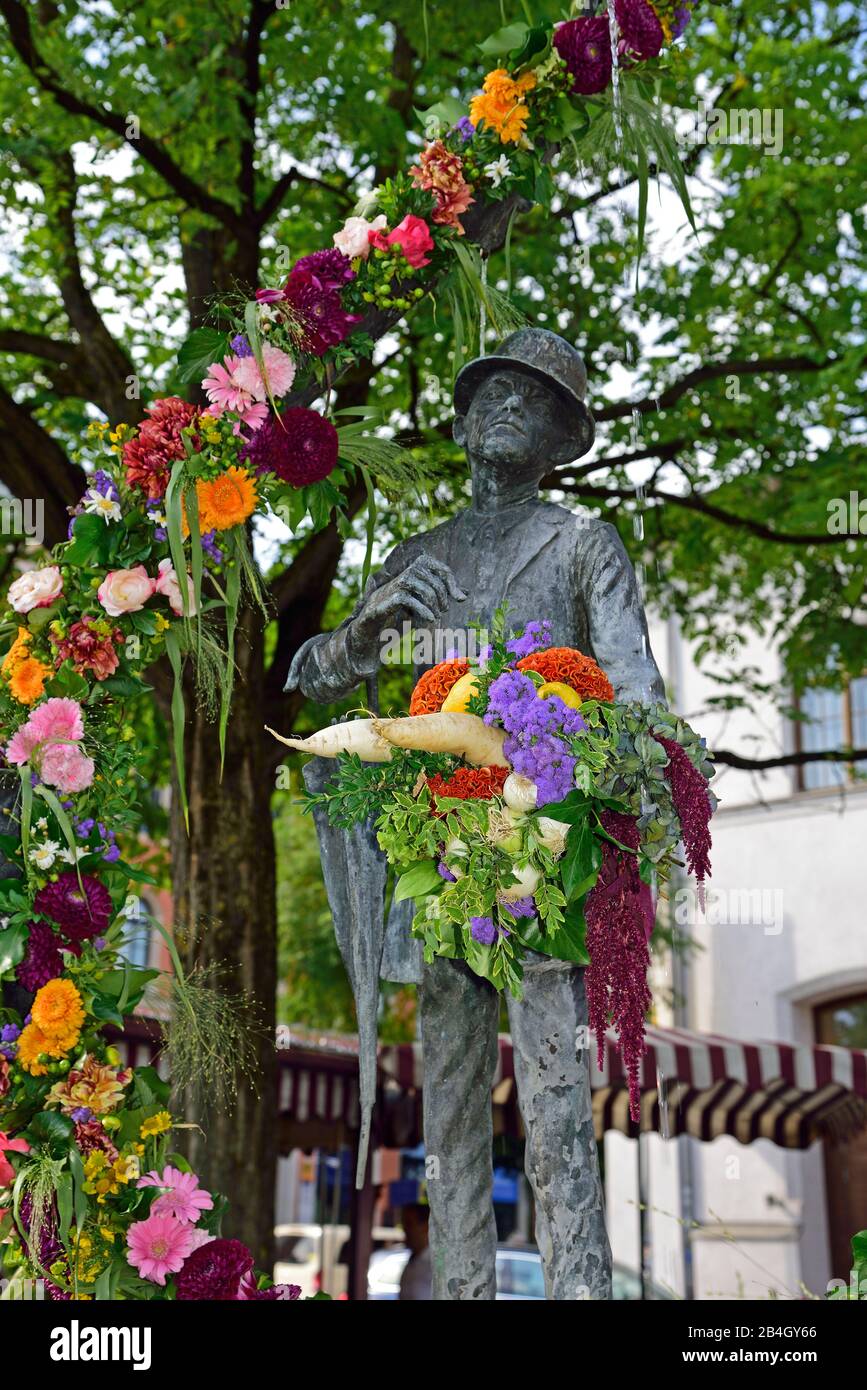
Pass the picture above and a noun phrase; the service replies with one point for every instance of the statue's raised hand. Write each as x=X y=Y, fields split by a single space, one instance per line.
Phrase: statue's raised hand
x=420 y=593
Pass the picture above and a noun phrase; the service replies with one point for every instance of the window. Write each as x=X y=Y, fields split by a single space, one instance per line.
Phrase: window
x=136 y=946
x=833 y=719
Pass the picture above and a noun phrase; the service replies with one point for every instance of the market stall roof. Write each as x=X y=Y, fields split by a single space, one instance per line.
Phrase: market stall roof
x=701 y=1084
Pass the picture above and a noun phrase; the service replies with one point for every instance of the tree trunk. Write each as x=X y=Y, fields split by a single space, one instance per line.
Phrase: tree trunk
x=226 y=913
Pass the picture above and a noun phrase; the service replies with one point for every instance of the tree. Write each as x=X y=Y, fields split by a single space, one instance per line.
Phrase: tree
x=157 y=161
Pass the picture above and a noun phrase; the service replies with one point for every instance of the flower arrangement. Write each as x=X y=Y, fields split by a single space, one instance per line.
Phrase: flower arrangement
x=526 y=810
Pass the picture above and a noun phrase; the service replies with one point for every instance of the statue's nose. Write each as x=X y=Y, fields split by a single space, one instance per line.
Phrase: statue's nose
x=512 y=402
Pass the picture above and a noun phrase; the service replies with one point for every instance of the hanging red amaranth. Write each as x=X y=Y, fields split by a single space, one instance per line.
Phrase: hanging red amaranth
x=616 y=979
x=693 y=806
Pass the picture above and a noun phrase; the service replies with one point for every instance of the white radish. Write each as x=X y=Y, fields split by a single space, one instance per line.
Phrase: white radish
x=552 y=833
x=357 y=736
x=464 y=735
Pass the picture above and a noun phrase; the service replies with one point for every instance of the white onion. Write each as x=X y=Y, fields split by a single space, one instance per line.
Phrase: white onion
x=528 y=882
x=519 y=793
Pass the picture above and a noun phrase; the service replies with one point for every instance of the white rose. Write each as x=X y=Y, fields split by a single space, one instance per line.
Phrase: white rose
x=352 y=237
x=36 y=589
x=125 y=591
x=167 y=584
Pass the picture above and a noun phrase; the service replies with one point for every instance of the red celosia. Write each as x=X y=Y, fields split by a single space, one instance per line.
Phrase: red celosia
x=693 y=806
x=89 y=649
x=617 y=937
x=149 y=456
x=433 y=687
x=572 y=667
x=470 y=783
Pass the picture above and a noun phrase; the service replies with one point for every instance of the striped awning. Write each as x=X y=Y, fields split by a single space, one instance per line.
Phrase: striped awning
x=701 y=1084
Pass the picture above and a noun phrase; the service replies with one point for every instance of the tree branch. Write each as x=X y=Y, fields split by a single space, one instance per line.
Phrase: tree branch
x=21 y=37
x=830 y=755
x=711 y=371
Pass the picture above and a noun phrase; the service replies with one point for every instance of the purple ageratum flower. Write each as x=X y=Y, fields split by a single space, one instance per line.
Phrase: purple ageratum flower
x=445 y=872
x=103 y=483
x=9 y=1032
x=534 y=637
x=508 y=698
x=521 y=907
x=240 y=347
x=482 y=929
x=210 y=547
x=465 y=129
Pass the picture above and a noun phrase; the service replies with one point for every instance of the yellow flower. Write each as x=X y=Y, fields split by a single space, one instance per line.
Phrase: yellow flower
x=226 y=501
x=162 y=622
x=58 y=1011
x=157 y=1124
x=500 y=106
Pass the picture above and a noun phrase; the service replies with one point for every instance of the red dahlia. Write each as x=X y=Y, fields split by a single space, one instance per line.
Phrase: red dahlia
x=214 y=1271
x=148 y=458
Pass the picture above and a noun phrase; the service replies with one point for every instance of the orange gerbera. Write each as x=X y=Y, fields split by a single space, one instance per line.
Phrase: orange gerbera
x=226 y=501
x=470 y=783
x=500 y=106
x=27 y=681
x=573 y=668
x=57 y=1010
x=433 y=687
x=33 y=1044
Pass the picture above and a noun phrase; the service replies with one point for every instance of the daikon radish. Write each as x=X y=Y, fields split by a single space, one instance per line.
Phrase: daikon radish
x=465 y=735
x=356 y=736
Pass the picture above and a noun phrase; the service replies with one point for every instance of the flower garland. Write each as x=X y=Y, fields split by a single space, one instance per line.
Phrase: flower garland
x=554 y=850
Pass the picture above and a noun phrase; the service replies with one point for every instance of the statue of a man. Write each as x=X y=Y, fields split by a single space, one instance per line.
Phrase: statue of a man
x=519 y=413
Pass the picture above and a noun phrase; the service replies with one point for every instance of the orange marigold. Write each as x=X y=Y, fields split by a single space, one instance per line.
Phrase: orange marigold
x=33 y=1044
x=18 y=652
x=433 y=687
x=226 y=501
x=500 y=104
x=573 y=668
x=27 y=681
x=470 y=783
x=57 y=1010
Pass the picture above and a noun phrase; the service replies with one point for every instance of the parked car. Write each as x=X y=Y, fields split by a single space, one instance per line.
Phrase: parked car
x=519 y=1276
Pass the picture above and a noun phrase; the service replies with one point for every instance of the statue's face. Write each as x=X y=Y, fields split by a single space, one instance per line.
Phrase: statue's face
x=517 y=424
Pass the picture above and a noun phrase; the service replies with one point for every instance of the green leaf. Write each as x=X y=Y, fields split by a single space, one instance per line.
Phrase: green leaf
x=149 y=1087
x=503 y=41
x=203 y=347
x=13 y=943
x=106 y=1010
x=51 y=1128
x=418 y=881
x=564 y=942
x=580 y=864
x=179 y=717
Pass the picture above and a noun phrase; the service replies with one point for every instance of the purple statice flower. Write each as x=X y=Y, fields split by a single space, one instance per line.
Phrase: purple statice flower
x=81 y=1115
x=9 y=1032
x=240 y=347
x=111 y=853
x=682 y=16
x=84 y=827
x=210 y=547
x=521 y=907
x=445 y=872
x=465 y=129
x=103 y=483
x=482 y=929
x=98 y=943
x=534 y=638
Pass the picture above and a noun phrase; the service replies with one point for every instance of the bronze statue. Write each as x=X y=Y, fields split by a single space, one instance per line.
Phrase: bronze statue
x=519 y=413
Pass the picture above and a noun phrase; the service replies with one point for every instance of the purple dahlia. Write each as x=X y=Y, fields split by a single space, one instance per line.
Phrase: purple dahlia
x=80 y=915
x=331 y=268
x=300 y=446
x=43 y=961
x=641 y=34
x=214 y=1271
x=315 y=303
x=585 y=47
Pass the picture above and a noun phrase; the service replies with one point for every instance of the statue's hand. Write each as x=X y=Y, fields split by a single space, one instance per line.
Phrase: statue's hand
x=422 y=591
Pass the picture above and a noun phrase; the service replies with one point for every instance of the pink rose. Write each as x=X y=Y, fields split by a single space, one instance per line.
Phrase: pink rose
x=64 y=766
x=413 y=238
x=36 y=589
x=125 y=591
x=353 y=237
x=167 y=584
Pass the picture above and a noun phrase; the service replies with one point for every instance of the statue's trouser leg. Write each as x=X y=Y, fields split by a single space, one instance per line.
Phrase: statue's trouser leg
x=561 y=1159
x=459 y=1014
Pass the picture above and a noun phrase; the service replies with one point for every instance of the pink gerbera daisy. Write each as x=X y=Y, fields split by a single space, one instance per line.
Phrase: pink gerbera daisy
x=223 y=389
x=159 y=1246
x=182 y=1197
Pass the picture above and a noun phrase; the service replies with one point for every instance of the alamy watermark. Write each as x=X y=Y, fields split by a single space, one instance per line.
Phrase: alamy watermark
x=23 y=517
x=428 y=646
x=847 y=516
x=740 y=125
x=731 y=907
